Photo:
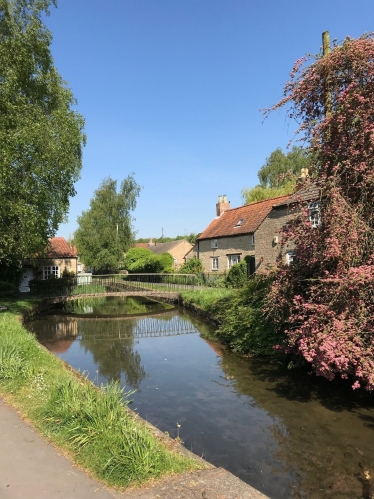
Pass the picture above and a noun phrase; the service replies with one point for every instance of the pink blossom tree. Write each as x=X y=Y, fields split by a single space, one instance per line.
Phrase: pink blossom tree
x=324 y=300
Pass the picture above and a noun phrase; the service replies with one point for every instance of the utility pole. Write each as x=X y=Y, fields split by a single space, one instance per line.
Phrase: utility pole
x=326 y=51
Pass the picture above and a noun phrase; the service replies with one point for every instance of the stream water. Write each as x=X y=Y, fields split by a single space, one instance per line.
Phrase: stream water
x=286 y=433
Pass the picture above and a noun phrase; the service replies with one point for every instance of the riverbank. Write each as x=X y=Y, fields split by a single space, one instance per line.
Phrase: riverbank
x=237 y=316
x=93 y=426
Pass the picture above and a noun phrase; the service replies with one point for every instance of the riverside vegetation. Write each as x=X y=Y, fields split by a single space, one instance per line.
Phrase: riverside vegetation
x=239 y=313
x=93 y=425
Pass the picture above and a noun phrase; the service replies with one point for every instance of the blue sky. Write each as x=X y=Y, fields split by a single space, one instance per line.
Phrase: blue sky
x=172 y=90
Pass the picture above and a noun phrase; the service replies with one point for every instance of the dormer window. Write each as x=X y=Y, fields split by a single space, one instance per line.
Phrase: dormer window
x=239 y=223
x=314 y=213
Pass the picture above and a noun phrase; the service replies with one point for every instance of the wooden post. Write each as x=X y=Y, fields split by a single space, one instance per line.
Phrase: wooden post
x=326 y=51
x=326 y=42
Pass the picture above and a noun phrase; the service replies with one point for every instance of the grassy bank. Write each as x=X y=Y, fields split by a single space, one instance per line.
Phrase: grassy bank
x=239 y=313
x=92 y=425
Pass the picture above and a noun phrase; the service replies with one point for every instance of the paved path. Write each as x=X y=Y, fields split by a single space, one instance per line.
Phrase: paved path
x=32 y=468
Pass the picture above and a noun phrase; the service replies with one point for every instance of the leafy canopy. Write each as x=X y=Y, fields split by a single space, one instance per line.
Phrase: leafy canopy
x=105 y=232
x=143 y=260
x=324 y=301
x=41 y=136
x=278 y=175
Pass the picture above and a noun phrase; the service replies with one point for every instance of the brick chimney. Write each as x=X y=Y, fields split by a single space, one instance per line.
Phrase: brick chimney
x=303 y=179
x=222 y=205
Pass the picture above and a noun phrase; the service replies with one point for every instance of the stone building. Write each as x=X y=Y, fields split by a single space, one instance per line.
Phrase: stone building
x=252 y=230
x=178 y=249
x=233 y=235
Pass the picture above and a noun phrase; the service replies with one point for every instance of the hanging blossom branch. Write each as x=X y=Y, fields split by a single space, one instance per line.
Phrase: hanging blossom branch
x=324 y=301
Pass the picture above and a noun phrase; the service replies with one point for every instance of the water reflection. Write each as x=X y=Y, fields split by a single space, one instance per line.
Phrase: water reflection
x=287 y=433
x=324 y=429
x=112 y=306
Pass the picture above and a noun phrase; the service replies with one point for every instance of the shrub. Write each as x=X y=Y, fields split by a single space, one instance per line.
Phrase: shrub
x=192 y=266
x=237 y=275
x=243 y=325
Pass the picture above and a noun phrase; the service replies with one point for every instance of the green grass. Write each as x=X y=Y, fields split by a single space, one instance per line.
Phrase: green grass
x=92 y=425
x=205 y=298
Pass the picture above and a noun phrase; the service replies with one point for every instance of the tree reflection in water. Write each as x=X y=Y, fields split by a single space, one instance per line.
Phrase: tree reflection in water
x=112 y=346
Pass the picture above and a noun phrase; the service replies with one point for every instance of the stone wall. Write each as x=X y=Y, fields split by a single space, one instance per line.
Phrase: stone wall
x=233 y=245
x=266 y=248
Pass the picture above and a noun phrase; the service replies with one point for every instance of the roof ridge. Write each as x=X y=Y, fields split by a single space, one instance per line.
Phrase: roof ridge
x=258 y=202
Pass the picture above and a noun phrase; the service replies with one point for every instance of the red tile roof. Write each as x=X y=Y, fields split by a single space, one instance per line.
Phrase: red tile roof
x=141 y=245
x=252 y=215
x=307 y=193
x=59 y=248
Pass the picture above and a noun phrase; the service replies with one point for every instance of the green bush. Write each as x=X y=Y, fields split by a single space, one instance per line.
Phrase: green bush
x=142 y=260
x=192 y=266
x=237 y=275
x=53 y=286
x=134 y=255
x=167 y=262
x=239 y=312
x=243 y=325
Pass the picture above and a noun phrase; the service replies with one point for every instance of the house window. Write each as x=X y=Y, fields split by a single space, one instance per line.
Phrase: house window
x=238 y=224
x=214 y=244
x=232 y=260
x=175 y=261
x=252 y=240
x=314 y=213
x=215 y=263
x=290 y=257
x=51 y=271
x=79 y=267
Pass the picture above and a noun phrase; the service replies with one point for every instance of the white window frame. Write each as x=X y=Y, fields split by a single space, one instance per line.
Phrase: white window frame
x=232 y=260
x=51 y=270
x=314 y=213
x=290 y=257
x=215 y=262
x=214 y=244
x=252 y=240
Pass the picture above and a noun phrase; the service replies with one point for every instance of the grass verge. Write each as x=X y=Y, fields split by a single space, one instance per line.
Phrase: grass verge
x=92 y=425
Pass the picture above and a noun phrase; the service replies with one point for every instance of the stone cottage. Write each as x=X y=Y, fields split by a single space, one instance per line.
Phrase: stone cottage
x=251 y=231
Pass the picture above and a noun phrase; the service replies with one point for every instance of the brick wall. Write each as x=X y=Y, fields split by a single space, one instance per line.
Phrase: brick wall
x=265 y=247
x=234 y=245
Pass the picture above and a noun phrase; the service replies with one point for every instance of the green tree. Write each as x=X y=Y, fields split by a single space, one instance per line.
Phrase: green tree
x=278 y=175
x=105 y=232
x=41 y=136
x=143 y=260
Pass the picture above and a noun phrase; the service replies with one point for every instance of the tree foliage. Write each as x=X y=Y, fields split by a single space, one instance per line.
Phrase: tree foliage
x=326 y=297
x=41 y=136
x=278 y=175
x=105 y=232
x=143 y=260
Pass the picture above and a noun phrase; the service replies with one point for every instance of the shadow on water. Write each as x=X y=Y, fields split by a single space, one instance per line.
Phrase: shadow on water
x=323 y=428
